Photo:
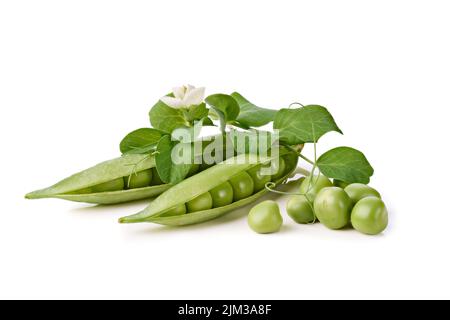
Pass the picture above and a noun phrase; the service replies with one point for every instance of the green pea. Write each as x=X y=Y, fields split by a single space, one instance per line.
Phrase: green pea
x=259 y=179
x=200 y=203
x=370 y=216
x=156 y=179
x=222 y=195
x=176 y=211
x=358 y=191
x=332 y=207
x=114 y=185
x=242 y=185
x=139 y=180
x=318 y=183
x=300 y=210
x=340 y=183
x=278 y=169
x=265 y=217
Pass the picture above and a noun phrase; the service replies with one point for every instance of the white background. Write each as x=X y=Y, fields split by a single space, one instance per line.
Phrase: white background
x=76 y=76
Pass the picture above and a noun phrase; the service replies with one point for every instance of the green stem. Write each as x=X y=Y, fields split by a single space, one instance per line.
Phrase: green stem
x=306 y=159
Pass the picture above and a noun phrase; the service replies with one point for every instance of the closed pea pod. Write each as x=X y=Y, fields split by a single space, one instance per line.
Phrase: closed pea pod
x=203 y=182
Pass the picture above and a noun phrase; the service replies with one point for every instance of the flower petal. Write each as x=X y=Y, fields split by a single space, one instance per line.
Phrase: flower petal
x=173 y=102
x=194 y=96
x=179 y=92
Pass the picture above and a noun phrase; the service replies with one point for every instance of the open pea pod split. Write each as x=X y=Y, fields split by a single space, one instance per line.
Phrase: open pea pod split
x=109 y=182
x=202 y=183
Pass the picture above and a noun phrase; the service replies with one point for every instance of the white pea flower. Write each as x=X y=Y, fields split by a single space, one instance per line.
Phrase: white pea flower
x=184 y=97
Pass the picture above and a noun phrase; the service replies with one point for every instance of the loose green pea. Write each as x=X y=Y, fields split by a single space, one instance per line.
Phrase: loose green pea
x=222 y=195
x=278 y=169
x=176 y=211
x=318 y=183
x=300 y=210
x=202 y=202
x=114 y=185
x=358 y=191
x=265 y=217
x=139 y=180
x=370 y=216
x=156 y=179
x=259 y=179
x=332 y=207
x=242 y=185
x=340 y=183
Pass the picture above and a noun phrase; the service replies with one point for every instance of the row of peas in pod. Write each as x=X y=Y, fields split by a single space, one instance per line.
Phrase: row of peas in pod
x=334 y=204
x=141 y=179
x=238 y=187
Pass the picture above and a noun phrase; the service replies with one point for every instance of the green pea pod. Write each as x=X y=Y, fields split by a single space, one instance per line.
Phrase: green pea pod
x=201 y=183
x=76 y=187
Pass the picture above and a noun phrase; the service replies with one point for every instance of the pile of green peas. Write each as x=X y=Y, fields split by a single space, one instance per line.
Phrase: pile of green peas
x=239 y=187
x=336 y=205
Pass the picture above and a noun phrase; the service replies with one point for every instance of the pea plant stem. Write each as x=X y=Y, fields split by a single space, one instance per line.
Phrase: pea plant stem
x=306 y=159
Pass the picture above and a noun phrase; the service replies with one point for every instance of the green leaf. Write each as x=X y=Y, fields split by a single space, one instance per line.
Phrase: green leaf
x=251 y=115
x=143 y=150
x=207 y=122
x=196 y=113
x=306 y=124
x=188 y=134
x=168 y=171
x=252 y=141
x=346 y=164
x=137 y=141
x=239 y=125
x=226 y=108
x=165 y=118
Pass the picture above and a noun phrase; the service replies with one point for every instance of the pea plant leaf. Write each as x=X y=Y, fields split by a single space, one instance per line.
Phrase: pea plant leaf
x=251 y=141
x=207 y=122
x=188 y=134
x=169 y=171
x=165 y=118
x=346 y=164
x=224 y=106
x=140 y=141
x=238 y=125
x=251 y=115
x=196 y=113
x=306 y=124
